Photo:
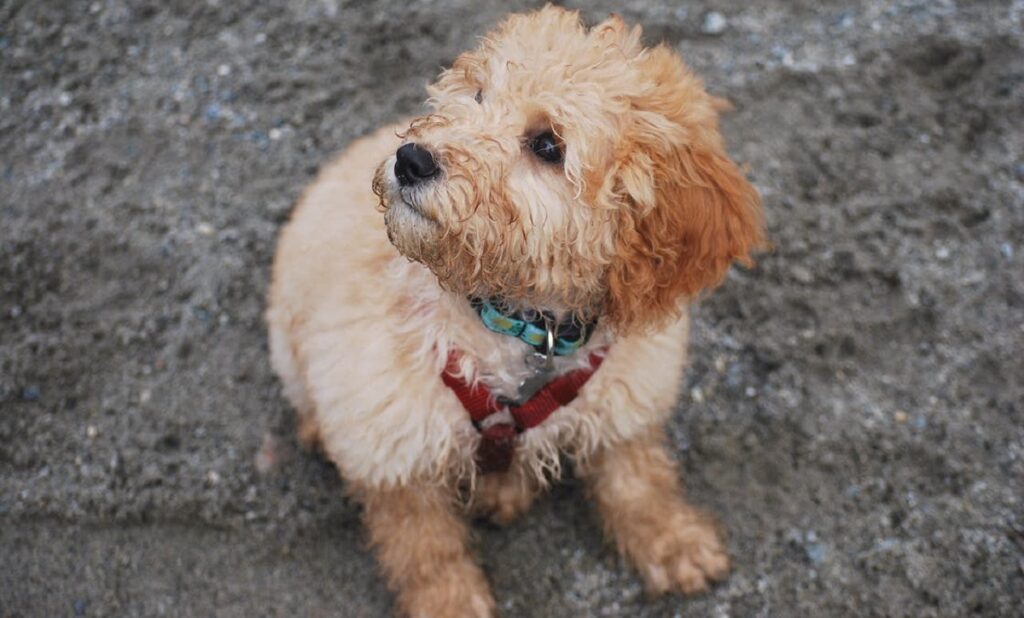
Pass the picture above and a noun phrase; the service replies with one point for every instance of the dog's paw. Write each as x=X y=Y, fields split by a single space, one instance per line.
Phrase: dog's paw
x=457 y=590
x=502 y=497
x=684 y=554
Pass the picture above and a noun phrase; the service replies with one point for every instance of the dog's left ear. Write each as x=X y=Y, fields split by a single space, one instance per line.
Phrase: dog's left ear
x=685 y=212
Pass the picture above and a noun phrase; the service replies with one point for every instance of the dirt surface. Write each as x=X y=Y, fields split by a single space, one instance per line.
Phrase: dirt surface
x=852 y=415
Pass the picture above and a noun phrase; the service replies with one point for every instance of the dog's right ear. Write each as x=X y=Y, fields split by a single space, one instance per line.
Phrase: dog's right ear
x=685 y=212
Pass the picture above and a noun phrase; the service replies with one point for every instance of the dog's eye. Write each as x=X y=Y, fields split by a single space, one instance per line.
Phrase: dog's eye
x=479 y=97
x=546 y=147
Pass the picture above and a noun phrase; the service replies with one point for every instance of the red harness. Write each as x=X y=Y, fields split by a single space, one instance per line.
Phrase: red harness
x=497 y=440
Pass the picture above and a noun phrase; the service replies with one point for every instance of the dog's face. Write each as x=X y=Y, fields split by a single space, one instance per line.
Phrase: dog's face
x=571 y=170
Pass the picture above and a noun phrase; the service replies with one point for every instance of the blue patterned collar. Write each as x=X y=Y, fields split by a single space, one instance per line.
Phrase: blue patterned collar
x=569 y=335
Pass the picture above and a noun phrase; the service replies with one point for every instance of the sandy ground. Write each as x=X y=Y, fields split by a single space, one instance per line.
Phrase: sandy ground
x=853 y=412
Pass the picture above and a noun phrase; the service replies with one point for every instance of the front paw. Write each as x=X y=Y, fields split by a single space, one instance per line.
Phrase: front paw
x=682 y=553
x=502 y=497
x=452 y=591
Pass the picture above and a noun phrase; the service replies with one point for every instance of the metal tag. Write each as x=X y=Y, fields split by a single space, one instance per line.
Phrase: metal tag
x=543 y=366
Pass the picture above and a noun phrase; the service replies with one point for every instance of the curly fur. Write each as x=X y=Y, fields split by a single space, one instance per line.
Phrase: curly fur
x=644 y=212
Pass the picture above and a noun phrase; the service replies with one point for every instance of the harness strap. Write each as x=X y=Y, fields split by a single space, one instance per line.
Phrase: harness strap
x=497 y=444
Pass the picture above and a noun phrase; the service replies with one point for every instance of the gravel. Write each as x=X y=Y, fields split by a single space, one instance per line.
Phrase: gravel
x=853 y=409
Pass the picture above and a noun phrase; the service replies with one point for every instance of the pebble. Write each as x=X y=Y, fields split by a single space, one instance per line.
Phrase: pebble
x=815 y=553
x=91 y=432
x=205 y=229
x=145 y=396
x=212 y=477
x=802 y=274
x=224 y=70
x=900 y=416
x=31 y=393
x=942 y=253
x=201 y=314
x=697 y=395
x=1019 y=170
x=1006 y=249
x=260 y=138
x=714 y=23
x=268 y=457
x=212 y=111
x=734 y=375
x=720 y=364
x=79 y=606
x=274 y=134
x=15 y=312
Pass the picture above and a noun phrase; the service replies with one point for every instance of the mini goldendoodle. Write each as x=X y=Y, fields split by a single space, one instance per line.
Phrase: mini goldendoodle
x=465 y=301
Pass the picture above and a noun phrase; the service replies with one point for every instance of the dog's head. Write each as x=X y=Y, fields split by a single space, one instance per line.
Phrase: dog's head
x=571 y=170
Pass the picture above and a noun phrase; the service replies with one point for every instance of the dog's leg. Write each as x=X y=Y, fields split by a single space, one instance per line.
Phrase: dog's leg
x=637 y=490
x=504 y=496
x=422 y=545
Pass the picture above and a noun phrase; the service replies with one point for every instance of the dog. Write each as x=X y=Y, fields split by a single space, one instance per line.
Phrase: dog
x=464 y=303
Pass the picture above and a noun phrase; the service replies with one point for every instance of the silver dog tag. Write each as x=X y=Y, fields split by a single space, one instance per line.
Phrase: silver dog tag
x=543 y=366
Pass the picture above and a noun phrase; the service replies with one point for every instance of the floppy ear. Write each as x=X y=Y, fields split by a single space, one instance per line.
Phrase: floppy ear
x=685 y=212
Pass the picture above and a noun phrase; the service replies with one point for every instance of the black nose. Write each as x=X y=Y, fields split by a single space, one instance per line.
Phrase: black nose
x=414 y=164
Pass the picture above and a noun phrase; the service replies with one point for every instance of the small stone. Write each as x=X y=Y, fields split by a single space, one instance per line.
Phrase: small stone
x=720 y=364
x=91 y=432
x=80 y=606
x=942 y=253
x=751 y=392
x=212 y=477
x=145 y=395
x=815 y=553
x=64 y=99
x=1019 y=170
x=224 y=70
x=1006 y=249
x=268 y=457
x=697 y=395
x=714 y=23
x=205 y=229
x=274 y=134
x=900 y=416
x=802 y=274
x=15 y=312
x=31 y=393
